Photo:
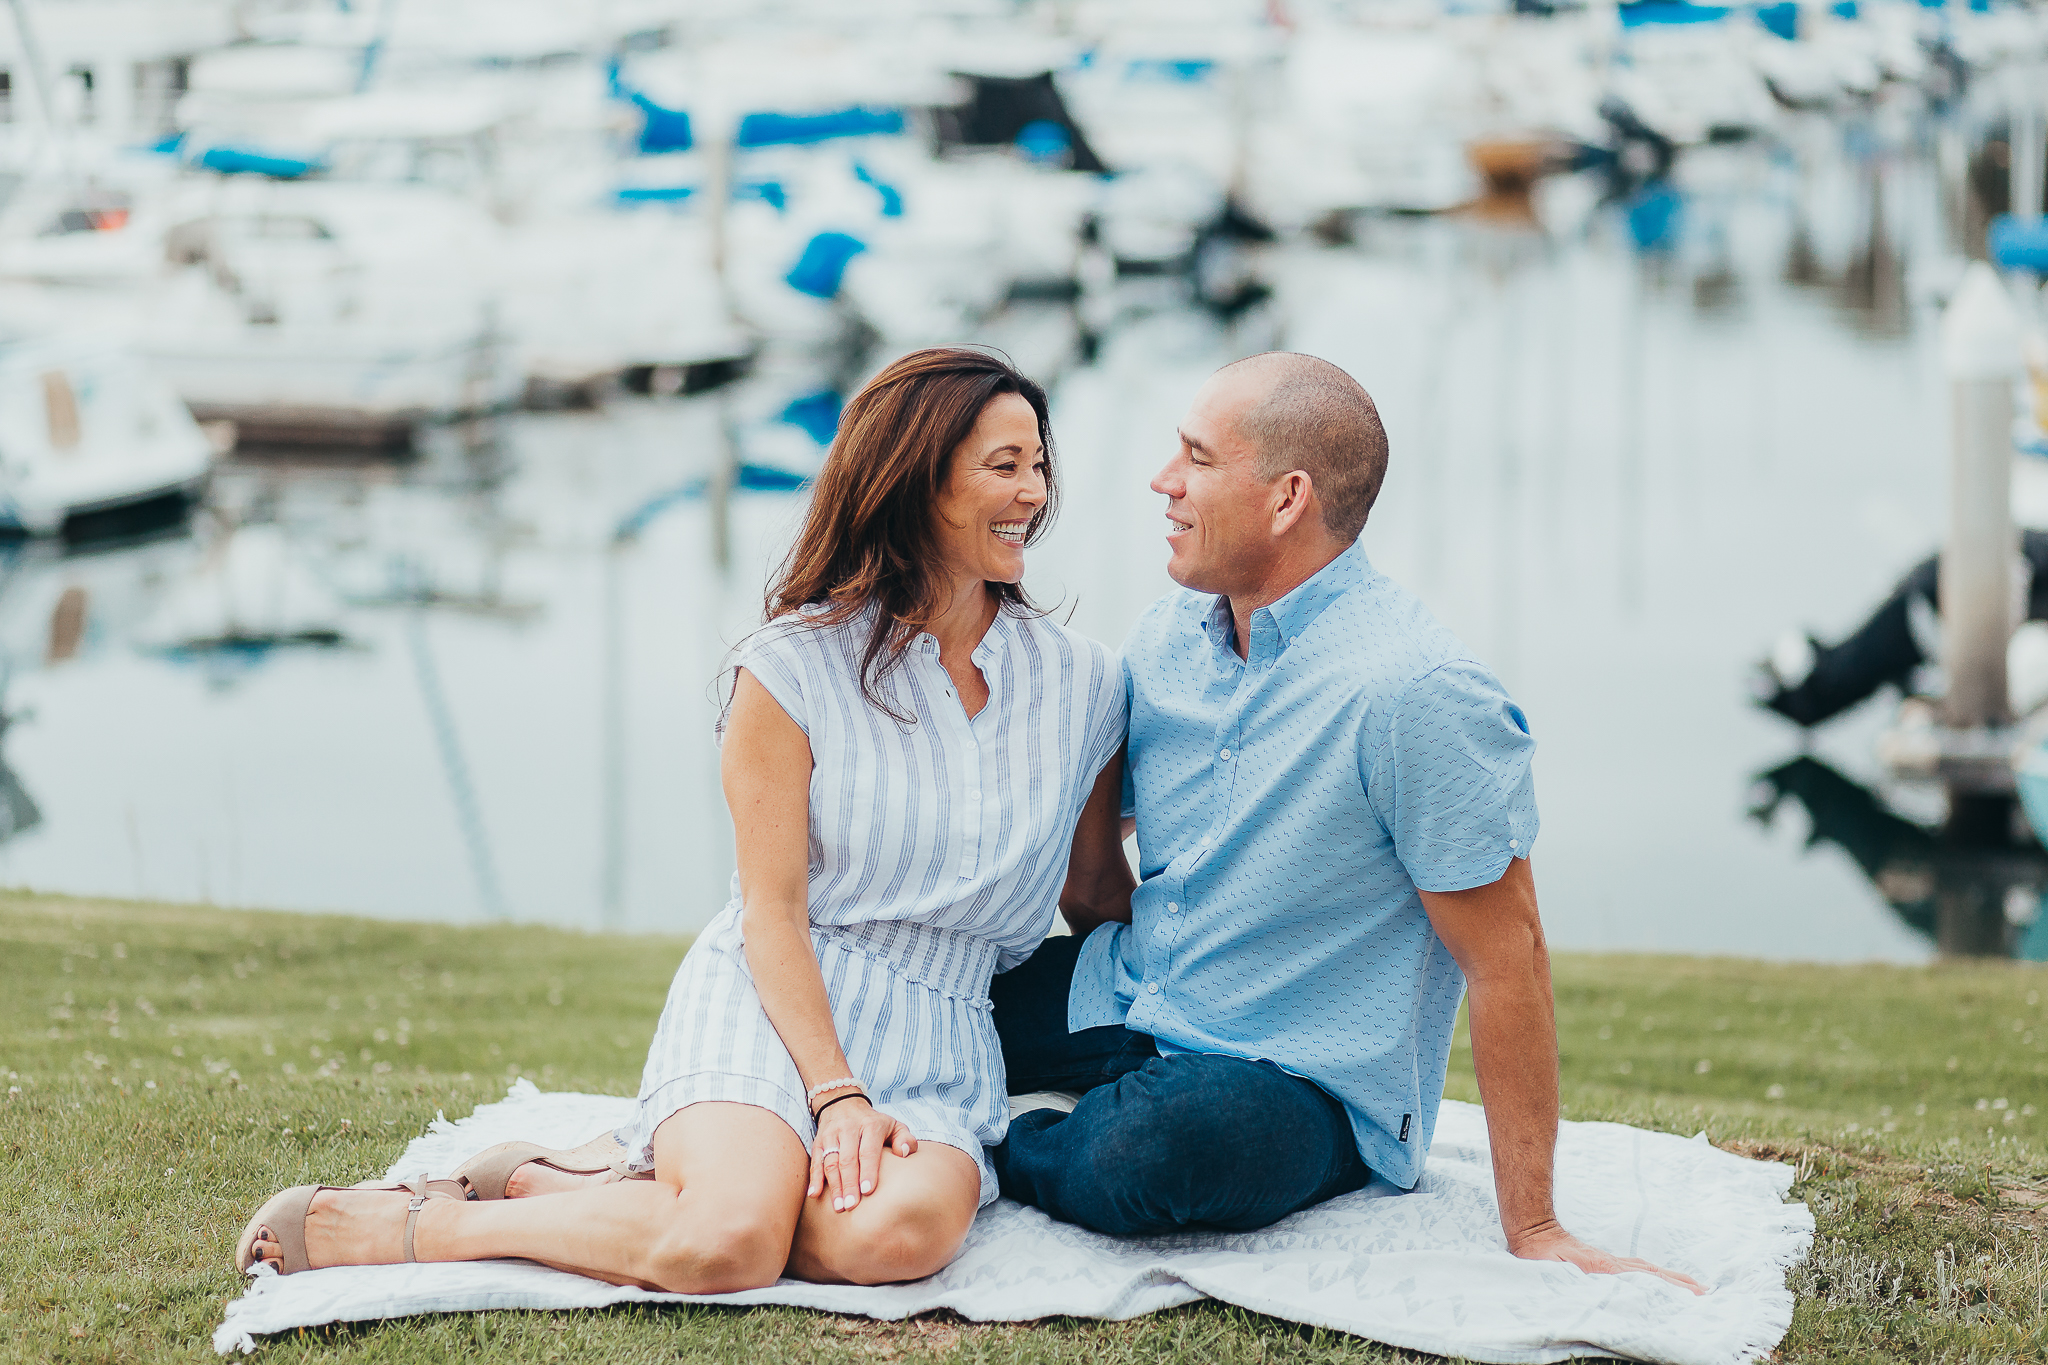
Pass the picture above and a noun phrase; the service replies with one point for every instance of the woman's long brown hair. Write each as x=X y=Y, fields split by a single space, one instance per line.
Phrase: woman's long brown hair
x=870 y=536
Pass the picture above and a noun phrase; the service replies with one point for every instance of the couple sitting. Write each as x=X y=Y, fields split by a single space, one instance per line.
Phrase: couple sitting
x=1334 y=813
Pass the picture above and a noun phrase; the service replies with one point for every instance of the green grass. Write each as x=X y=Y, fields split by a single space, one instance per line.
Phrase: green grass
x=167 y=1067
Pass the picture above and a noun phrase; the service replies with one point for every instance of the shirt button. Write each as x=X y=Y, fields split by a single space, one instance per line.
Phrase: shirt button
x=1173 y=907
x=1151 y=988
x=1226 y=755
x=1514 y=843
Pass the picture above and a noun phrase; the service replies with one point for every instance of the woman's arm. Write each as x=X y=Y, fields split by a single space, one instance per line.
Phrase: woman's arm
x=766 y=768
x=1099 y=881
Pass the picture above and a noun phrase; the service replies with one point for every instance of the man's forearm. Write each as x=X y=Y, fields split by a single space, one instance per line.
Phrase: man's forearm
x=1106 y=901
x=1514 y=1054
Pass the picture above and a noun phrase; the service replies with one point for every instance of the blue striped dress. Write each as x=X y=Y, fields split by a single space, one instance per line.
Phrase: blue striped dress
x=937 y=854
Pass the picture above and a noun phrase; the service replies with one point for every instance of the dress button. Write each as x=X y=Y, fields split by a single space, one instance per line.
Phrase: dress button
x=1151 y=988
x=1226 y=755
x=1514 y=843
x=1173 y=907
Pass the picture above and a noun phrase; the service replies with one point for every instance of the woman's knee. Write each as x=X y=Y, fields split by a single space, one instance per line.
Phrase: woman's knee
x=910 y=1241
x=718 y=1251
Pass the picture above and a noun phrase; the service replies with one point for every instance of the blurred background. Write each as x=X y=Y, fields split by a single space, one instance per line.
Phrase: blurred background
x=403 y=402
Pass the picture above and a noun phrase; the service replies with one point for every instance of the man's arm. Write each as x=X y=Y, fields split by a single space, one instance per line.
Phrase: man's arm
x=1099 y=882
x=1494 y=933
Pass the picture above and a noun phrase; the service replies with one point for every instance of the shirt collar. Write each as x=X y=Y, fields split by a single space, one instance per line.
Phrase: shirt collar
x=992 y=642
x=1277 y=626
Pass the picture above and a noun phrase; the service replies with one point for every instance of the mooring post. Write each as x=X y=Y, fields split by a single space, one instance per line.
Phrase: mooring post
x=2025 y=148
x=717 y=130
x=1981 y=352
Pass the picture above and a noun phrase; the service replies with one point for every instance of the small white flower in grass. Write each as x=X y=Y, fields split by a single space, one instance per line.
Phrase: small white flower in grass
x=1702 y=1067
x=1776 y=1092
x=170 y=1170
x=1999 y=1103
x=149 y=1085
x=1983 y=1104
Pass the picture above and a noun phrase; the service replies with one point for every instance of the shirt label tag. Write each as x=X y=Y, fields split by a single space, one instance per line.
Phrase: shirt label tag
x=1406 y=1119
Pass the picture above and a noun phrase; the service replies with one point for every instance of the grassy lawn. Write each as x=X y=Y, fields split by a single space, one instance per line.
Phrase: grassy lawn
x=167 y=1067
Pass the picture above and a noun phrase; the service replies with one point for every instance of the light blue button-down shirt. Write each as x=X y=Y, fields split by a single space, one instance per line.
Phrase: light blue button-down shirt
x=1290 y=804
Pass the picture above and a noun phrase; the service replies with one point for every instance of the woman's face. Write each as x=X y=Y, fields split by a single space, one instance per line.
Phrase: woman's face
x=994 y=486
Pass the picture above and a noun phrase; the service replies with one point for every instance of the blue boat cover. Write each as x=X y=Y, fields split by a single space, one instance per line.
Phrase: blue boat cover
x=821 y=269
x=892 y=198
x=770 y=130
x=769 y=192
x=1045 y=142
x=817 y=414
x=1670 y=12
x=1654 y=216
x=2019 y=246
x=250 y=161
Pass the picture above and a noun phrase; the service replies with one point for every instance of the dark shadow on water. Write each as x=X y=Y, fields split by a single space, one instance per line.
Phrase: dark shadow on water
x=1971 y=886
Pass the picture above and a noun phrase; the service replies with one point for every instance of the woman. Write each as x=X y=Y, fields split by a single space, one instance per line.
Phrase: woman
x=907 y=748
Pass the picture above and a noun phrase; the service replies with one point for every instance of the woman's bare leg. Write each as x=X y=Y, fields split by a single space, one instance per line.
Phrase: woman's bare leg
x=910 y=1227
x=720 y=1214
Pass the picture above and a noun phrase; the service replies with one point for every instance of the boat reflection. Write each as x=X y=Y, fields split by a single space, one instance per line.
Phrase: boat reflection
x=1971 y=886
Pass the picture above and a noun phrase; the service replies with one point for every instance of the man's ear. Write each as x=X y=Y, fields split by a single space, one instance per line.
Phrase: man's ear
x=1294 y=497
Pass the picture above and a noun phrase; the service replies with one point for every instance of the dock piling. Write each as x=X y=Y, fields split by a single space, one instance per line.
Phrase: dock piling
x=1981 y=354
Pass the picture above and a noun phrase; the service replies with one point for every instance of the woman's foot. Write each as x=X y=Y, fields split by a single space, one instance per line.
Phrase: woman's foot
x=353 y=1227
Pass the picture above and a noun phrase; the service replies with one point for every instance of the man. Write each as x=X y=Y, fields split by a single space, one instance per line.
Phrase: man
x=1334 y=813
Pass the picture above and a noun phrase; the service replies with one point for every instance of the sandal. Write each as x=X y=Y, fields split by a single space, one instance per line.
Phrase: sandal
x=488 y=1171
x=285 y=1215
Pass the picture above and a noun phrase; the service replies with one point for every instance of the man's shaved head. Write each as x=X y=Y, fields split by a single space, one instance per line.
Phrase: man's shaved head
x=1310 y=415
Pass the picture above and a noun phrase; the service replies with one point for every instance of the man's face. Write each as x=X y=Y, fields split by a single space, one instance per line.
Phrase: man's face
x=1219 y=523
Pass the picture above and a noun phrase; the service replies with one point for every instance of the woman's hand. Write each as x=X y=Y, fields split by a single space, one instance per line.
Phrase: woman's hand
x=846 y=1159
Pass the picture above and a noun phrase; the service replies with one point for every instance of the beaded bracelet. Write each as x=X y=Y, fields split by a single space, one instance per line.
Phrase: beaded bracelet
x=843 y=1083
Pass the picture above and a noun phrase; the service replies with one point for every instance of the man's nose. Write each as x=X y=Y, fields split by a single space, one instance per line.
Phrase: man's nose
x=1167 y=482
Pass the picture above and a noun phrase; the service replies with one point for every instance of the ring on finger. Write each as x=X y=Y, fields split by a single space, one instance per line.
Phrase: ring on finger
x=830 y=1151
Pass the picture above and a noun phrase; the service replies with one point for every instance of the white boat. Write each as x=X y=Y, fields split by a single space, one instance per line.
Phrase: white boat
x=329 y=312
x=87 y=427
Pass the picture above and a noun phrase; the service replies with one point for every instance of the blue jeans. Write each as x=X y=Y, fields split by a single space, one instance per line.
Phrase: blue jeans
x=1157 y=1143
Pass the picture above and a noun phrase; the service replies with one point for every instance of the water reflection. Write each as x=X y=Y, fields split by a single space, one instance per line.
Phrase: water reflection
x=1971 y=886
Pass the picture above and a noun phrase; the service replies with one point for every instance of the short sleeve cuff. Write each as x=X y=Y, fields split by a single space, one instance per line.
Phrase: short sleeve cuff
x=1480 y=857
x=1093 y=999
x=771 y=657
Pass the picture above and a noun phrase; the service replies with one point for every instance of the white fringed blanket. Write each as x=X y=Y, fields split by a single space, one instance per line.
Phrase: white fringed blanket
x=1427 y=1270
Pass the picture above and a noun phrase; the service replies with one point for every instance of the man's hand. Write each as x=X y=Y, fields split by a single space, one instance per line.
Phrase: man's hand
x=1495 y=934
x=1553 y=1243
